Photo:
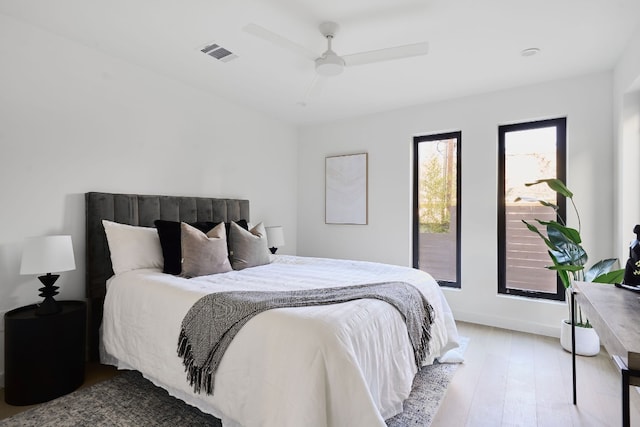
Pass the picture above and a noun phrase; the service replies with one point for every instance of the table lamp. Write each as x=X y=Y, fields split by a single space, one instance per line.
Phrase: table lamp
x=275 y=237
x=44 y=255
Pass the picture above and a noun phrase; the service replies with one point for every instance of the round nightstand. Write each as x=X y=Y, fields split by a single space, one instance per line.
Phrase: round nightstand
x=44 y=355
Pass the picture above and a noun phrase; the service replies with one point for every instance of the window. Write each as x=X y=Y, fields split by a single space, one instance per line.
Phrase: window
x=436 y=213
x=528 y=152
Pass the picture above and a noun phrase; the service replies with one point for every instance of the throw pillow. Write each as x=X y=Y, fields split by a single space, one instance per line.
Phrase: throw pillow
x=204 y=254
x=248 y=248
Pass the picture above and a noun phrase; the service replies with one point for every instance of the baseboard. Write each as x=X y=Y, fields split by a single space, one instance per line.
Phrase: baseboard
x=510 y=324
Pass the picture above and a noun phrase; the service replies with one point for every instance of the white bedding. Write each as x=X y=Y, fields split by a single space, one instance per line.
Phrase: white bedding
x=348 y=364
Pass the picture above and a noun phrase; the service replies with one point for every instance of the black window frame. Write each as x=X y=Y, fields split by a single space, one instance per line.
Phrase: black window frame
x=416 y=217
x=560 y=124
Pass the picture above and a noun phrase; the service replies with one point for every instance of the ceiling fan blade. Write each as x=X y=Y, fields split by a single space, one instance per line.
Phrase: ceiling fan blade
x=278 y=40
x=405 y=51
x=314 y=89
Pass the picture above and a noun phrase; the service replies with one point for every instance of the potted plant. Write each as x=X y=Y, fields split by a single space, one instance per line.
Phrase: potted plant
x=569 y=260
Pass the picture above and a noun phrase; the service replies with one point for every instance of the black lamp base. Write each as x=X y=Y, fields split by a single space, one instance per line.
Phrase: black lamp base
x=273 y=250
x=48 y=306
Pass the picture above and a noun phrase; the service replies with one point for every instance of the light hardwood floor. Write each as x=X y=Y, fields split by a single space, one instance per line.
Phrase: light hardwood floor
x=517 y=379
x=508 y=379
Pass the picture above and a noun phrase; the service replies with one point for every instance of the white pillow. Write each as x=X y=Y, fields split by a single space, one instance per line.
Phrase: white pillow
x=133 y=247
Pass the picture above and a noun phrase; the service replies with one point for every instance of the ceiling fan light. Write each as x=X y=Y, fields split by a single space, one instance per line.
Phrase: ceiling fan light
x=329 y=65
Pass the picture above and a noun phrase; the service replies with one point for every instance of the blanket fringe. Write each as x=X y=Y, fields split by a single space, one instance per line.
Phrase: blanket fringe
x=197 y=376
x=422 y=350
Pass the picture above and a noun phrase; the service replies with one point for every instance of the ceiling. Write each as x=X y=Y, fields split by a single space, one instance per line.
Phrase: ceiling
x=474 y=46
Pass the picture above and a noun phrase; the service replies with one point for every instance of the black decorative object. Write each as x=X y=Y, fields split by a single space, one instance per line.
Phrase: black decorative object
x=48 y=291
x=632 y=269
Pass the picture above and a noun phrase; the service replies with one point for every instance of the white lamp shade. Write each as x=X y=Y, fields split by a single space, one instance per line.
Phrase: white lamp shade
x=47 y=254
x=275 y=236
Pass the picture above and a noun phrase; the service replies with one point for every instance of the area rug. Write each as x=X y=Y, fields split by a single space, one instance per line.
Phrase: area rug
x=130 y=400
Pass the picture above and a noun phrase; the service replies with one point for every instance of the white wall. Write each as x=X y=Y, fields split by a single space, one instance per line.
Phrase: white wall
x=585 y=101
x=74 y=120
x=626 y=98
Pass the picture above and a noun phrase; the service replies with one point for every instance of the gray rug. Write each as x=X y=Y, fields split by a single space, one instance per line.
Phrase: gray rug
x=130 y=400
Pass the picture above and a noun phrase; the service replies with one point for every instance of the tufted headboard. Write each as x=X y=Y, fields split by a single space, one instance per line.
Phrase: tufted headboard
x=142 y=210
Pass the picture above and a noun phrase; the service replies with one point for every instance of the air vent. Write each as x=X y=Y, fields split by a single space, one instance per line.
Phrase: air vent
x=218 y=52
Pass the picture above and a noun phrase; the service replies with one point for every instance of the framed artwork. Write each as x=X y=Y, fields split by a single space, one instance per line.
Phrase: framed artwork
x=346 y=189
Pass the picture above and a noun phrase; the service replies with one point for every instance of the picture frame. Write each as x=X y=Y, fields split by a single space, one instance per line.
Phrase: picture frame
x=346 y=189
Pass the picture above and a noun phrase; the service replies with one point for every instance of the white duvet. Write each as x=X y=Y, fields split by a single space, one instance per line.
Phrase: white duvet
x=348 y=364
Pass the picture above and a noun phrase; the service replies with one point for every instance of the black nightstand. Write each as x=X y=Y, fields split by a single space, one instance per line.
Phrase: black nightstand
x=44 y=356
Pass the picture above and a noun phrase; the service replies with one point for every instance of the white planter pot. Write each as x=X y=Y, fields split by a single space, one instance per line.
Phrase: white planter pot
x=587 y=341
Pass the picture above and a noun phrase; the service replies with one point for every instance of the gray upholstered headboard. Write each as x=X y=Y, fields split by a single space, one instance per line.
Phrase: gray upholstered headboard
x=140 y=210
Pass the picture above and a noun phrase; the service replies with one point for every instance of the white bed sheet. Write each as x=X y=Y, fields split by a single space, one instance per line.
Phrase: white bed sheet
x=348 y=364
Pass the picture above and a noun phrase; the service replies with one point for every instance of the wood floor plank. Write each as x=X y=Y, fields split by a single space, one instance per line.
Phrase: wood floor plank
x=553 y=398
x=488 y=401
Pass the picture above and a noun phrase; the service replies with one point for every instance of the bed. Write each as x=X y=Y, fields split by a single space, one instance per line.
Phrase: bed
x=342 y=364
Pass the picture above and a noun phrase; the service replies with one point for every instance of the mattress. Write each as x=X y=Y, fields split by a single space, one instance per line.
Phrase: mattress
x=348 y=364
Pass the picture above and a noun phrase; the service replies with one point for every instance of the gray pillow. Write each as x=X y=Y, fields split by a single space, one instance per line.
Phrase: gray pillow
x=248 y=248
x=203 y=254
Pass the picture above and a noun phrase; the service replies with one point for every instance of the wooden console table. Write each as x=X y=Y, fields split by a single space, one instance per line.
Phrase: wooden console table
x=615 y=315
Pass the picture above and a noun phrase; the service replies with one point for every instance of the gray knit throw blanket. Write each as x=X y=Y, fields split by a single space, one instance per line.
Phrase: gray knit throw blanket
x=213 y=321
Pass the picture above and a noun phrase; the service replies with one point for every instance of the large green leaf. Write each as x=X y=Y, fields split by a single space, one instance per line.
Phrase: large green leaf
x=566 y=250
x=599 y=268
x=615 y=276
x=555 y=184
x=571 y=233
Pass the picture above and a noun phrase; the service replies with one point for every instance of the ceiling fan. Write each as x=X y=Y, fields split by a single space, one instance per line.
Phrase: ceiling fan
x=330 y=63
